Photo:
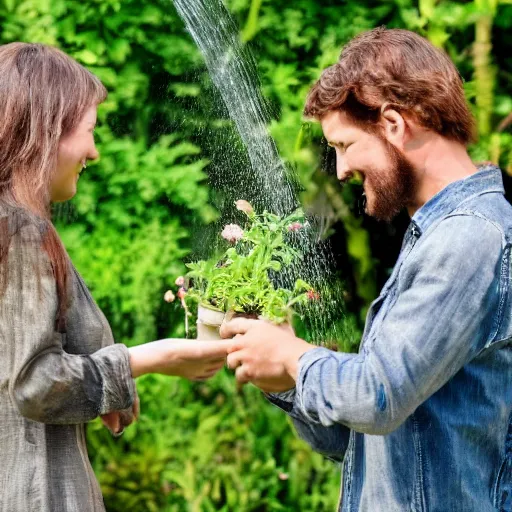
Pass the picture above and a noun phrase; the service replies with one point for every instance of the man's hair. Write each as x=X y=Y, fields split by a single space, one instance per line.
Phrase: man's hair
x=399 y=68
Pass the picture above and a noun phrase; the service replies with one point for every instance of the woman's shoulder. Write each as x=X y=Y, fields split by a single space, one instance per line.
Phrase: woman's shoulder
x=21 y=224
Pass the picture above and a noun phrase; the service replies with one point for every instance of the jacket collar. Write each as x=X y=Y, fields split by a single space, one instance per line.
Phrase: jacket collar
x=487 y=179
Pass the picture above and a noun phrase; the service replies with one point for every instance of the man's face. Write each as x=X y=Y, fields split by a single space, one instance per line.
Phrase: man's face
x=388 y=176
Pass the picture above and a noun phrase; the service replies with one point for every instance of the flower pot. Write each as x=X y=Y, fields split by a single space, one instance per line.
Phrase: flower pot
x=208 y=323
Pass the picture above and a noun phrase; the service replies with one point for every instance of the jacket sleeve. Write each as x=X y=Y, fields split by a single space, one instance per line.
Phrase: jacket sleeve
x=45 y=383
x=331 y=441
x=445 y=312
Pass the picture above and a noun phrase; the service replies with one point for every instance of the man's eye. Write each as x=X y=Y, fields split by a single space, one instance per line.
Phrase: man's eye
x=329 y=160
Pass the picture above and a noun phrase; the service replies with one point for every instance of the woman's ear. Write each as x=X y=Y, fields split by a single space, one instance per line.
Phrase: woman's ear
x=394 y=126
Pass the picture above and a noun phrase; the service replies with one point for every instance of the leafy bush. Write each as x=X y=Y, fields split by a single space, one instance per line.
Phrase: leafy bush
x=210 y=447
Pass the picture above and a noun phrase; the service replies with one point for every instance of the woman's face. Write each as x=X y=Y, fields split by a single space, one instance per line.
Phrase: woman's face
x=74 y=150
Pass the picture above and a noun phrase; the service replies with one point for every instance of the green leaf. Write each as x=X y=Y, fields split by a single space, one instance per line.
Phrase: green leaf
x=86 y=57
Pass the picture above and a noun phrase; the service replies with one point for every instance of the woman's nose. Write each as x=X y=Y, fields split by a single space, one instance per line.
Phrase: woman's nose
x=93 y=154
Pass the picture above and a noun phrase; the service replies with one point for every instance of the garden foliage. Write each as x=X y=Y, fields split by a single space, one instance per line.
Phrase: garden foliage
x=141 y=210
x=245 y=277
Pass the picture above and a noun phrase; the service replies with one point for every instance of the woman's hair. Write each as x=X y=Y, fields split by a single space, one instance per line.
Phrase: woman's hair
x=402 y=69
x=44 y=95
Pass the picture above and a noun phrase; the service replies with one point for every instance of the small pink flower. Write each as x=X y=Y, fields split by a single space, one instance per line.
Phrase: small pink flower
x=232 y=233
x=312 y=295
x=295 y=226
x=244 y=206
x=182 y=293
x=180 y=281
x=169 y=296
x=283 y=476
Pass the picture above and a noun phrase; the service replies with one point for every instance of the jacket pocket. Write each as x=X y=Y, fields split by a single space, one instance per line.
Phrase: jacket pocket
x=502 y=489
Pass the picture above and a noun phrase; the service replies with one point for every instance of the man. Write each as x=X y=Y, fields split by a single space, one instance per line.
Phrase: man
x=422 y=415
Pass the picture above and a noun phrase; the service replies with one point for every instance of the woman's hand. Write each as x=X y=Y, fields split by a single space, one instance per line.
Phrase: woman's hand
x=192 y=359
x=117 y=421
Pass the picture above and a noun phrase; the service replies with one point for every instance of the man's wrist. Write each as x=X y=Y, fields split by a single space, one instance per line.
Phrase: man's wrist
x=292 y=362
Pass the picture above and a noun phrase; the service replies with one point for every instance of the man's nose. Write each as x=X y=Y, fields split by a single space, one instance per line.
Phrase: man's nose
x=342 y=170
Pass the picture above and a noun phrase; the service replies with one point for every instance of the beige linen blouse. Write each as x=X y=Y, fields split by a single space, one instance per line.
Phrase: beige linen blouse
x=51 y=383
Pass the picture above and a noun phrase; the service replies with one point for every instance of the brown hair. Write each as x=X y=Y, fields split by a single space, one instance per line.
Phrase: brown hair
x=44 y=94
x=402 y=69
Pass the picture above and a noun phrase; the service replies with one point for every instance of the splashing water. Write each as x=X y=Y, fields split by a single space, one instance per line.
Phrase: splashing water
x=233 y=72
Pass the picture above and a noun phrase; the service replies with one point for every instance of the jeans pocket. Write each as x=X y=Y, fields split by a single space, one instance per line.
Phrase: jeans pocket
x=502 y=490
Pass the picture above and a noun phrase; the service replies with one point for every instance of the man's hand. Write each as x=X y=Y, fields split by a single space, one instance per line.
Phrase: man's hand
x=264 y=354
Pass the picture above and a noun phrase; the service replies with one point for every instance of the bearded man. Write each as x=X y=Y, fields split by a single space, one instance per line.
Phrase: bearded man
x=421 y=416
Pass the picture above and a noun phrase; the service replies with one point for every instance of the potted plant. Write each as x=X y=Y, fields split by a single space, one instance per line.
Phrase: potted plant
x=243 y=279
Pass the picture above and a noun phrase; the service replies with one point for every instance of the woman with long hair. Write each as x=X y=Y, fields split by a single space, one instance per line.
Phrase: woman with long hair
x=59 y=366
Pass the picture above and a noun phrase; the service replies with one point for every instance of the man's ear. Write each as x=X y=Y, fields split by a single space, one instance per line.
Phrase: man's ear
x=394 y=126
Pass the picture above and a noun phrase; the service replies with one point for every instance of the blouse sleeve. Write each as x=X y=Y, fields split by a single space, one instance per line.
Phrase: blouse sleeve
x=45 y=383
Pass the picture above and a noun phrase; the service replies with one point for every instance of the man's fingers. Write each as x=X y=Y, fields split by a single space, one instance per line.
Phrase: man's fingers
x=237 y=343
x=242 y=376
x=236 y=326
x=286 y=327
x=234 y=360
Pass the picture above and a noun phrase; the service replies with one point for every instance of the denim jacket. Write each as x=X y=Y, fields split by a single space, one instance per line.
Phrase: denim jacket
x=421 y=416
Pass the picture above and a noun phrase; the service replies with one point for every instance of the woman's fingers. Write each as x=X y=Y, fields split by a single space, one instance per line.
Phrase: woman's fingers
x=112 y=421
x=218 y=361
x=206 y=376
x=210 y=350
x=215 y=367
x=136 y=408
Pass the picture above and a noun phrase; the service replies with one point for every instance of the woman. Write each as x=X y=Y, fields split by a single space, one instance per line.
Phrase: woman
x=59 y=367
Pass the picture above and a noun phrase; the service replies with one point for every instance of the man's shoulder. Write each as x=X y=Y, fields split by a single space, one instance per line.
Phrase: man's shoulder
x=486 y=212
x=465 y=232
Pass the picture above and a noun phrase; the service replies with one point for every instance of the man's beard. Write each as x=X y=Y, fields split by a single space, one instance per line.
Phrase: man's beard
x=393 y=189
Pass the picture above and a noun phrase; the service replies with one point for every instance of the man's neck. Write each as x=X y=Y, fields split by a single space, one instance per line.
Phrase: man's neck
x=438 y=162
